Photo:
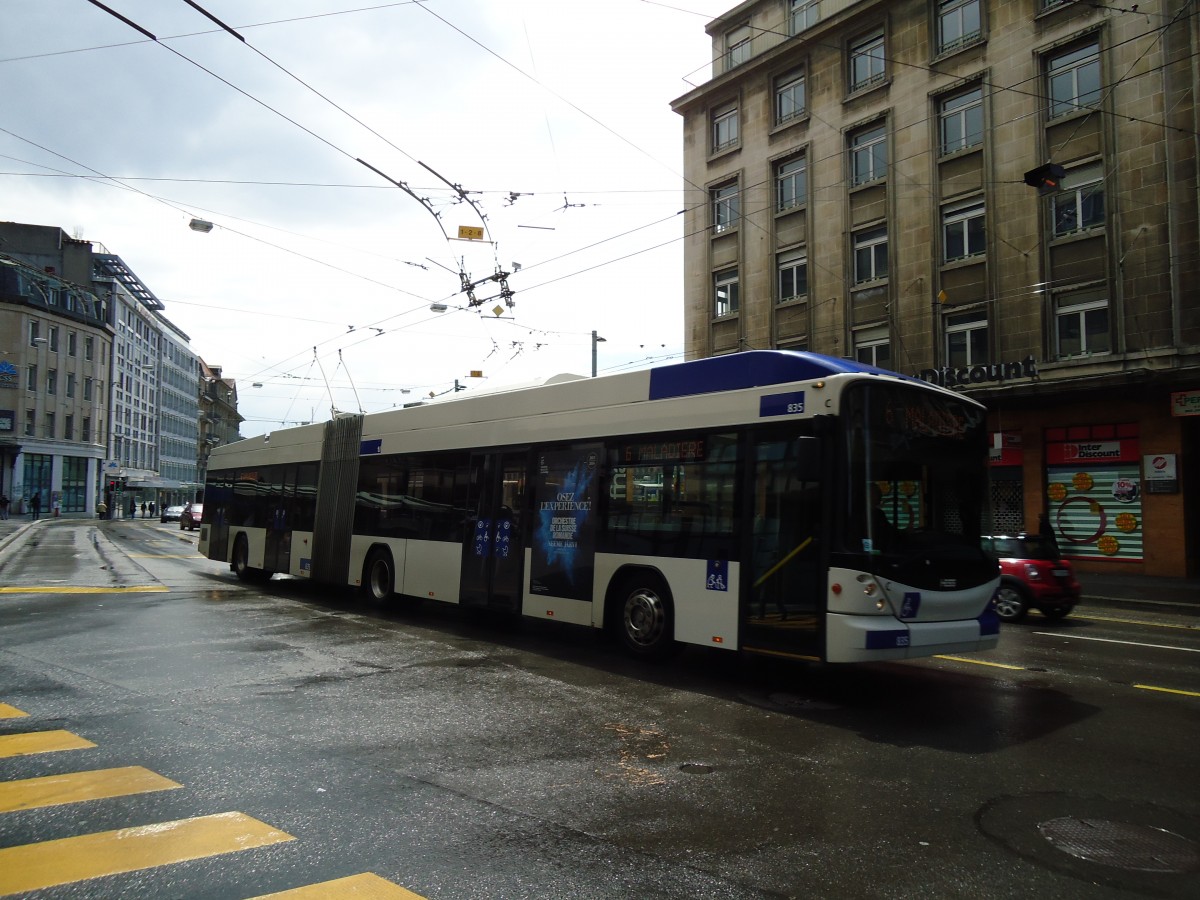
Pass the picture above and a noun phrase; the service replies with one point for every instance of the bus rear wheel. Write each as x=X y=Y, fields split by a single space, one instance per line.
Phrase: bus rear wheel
x=241 y=560
x=379 y=576
x=647 y=617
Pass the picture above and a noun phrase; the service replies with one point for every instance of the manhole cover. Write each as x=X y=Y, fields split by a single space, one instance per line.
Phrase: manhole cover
x=1137 y=847
x=696 y=769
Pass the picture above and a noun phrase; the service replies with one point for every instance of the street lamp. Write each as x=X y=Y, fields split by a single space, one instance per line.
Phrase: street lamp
x=596 y=339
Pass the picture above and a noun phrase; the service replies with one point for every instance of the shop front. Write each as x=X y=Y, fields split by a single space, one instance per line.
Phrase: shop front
x=1109 y=469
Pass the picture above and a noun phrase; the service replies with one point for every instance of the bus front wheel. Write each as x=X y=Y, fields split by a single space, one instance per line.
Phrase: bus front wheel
x=647 y=618
x=379 y=578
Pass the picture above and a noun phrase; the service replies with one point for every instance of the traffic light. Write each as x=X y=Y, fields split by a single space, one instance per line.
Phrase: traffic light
x=112 y=485
x=1047 y=179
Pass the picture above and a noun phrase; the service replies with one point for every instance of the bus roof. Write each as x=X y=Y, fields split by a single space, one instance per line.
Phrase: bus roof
x=753 y=368
x=573 y=407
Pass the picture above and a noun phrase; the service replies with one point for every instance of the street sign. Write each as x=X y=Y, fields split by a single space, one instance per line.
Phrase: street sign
x=470 y=233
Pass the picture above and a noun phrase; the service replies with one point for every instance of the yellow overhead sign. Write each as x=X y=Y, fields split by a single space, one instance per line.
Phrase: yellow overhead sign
x=470 y=233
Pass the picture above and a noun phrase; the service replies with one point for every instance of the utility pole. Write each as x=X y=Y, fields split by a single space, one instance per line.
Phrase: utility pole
x=596 y=339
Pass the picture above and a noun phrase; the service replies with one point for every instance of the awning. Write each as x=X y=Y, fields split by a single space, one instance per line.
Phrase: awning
x=158 y=484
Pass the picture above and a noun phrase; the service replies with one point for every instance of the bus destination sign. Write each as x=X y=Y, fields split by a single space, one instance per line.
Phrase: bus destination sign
x=664 y=451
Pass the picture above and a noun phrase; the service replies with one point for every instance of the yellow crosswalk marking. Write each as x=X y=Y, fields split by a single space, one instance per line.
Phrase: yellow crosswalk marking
x=367 y=886
x=165 y=556
x=32 y=867
x=75 y=787
x=11 y=712
x=69 y=589
x=41 y=742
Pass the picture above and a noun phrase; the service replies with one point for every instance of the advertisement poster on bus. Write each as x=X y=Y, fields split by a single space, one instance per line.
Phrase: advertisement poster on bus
x=564 y=535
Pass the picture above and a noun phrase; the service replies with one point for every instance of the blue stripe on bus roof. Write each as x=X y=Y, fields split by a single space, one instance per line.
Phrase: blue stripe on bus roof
x=753 y=368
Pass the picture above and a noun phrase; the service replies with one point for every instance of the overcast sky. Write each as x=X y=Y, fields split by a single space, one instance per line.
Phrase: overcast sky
x=552 y=116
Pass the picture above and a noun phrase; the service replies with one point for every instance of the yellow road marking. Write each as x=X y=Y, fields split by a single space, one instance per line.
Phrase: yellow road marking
x=75 y=787
x=1133 y=622
x=165 y=556
x=41 y=742
x=1150 y=687
x=67 y=589
x=32 y=867
x=981 y=662
x=367 y=886
x=10 y=712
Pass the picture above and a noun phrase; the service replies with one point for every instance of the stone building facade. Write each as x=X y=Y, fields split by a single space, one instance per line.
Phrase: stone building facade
x=997 y=196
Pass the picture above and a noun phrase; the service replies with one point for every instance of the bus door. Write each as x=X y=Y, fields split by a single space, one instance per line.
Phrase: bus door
x=493 y=545
x=218 y=498
x=280 y=493
x=782 y=599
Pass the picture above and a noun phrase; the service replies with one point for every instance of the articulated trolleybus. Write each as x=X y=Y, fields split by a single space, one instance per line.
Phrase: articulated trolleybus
x=773 y=502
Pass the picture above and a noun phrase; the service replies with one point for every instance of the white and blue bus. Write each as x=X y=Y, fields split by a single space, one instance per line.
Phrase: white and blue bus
x=771 y=502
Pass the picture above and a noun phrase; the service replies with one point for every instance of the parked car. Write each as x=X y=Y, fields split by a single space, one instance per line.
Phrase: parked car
x=170 y=514
x=189 y=518
x=1033 y=574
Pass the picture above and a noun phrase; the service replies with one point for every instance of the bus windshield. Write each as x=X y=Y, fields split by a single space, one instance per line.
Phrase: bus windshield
x=914 y=485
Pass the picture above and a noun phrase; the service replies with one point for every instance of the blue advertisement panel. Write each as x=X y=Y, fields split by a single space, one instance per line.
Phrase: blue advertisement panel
x=564 y=535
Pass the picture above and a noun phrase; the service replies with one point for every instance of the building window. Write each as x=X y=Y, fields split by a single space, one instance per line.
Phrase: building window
x=737 y=46
x=87 y=387
x=793 y=274
x=1074 y=80
x=871 y=347
x=870 y=255
x=72 y=339
x=962 y=229
x=1080 y=204
x=724 y=127
x=52 y=334
x=1081 y=323
x=725 y=292
x=31 y=378
x=959 y=24
x=52 y=381
x=726 y=207
x=866 y=62
x=804 y=14
x=85 y=433
x=868 y=155
x=791 y=183
x=960 y=121
x=34 y=333
x=789 y=97
x=51 y=426
x=68 y=427
x=70 y=384
x=30 y=420
x=966 y=339
x=89 y=347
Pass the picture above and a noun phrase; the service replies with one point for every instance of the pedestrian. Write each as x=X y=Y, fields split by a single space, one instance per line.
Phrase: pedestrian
x=152 y=509
x=132 y=508
x=4 y=507
x=143 y=509
x=102 y=510
x=36 y=504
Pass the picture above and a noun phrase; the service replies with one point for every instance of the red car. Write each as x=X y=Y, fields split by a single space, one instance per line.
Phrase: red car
x=1032 y=574
x=190 y=517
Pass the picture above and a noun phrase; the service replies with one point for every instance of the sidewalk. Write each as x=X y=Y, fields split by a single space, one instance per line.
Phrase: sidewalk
x=1181 y=594
x=1146 y=590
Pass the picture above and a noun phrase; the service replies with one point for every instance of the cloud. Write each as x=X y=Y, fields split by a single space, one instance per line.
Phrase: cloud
x=554 y=117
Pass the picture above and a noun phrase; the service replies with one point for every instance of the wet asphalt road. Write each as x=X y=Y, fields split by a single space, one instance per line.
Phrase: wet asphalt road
x=458 y=757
